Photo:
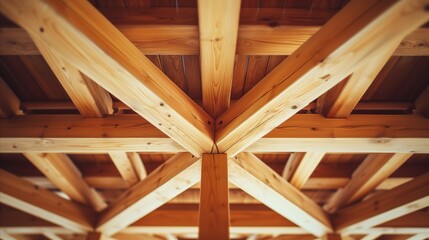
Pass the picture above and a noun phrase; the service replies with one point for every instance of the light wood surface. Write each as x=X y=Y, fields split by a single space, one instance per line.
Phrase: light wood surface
x=10 y=105
x=125 y=167
x=372 y=172
x=250 y=174
x=170 y=179
x=305 y=168
x=44 y=204
x=218 y=26
x=62 y=172
x=214 y=204
x=305 y=75
x=84 y=36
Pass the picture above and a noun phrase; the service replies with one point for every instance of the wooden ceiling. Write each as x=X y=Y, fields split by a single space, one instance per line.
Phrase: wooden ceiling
x=251 y=120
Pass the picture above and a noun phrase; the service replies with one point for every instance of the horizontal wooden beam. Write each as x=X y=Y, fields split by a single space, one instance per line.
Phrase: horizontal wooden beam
x=250 y=174
x=301 y=133
x=173 y=177
x=359 y=28
x=406 y=198
x=18 y=193
x=83 y=36
x=252 y=40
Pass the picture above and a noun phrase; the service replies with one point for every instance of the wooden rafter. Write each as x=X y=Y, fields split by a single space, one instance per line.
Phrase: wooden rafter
x=91 y=38
x=214 y=205
x=374 y=170
x=406 y=198
x=303 y=168
x=90 y=99
x=10 y=105
x=125 y=167
x=61 y=171
x=218 y=27
x=315 y=68
x=44 y=204
x=422 y=102
x=170 y=179
x=254 y=177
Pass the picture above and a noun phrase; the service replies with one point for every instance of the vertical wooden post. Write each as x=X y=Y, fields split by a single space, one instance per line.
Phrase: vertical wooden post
x=214 y=206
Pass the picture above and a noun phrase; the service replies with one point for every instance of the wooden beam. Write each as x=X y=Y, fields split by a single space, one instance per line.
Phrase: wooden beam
x=33 y=200
x=406 y=198
x=158 y=38
x=292 y=164
x=214 y=205
x=341 y=100
x=422 y=102
x=125 y=167
x=301 y=133
x=51 y=236
x=371 y=236
x=250 y=174
x=72 y=133
x=371 y=173
x=84 y=37
x=305 y=168
x=315 y=68
x=420 y=236
x=90 y=99
x=358 y=133
x=10 y=105
x=218 y=27
x=61 y=171
x=173 y=177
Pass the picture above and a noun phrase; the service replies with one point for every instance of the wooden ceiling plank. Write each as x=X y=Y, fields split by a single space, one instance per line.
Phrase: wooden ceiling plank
x=342 y=99
x=250 y=174
x=406 y=198
x=332 y=236
x=62 y=172
x=214 y=204
x=125 y=167
x=254 y=39
x=10 y=105
x=372 y=172
x=314 y=68
x=305 y=168
x=422 y=103
x=218 y=27
x=41 y=203
x=173 y=177
x=91 y=38
x=90 y=99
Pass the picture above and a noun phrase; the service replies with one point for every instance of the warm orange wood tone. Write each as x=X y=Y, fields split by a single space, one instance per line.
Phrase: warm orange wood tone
x=214 y=205
x=422 y=103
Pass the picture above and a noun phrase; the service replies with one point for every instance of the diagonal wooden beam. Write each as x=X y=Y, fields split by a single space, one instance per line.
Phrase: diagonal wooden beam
x=218 y=27
x=10 y=105
x=138 y=165
x=305 y=166
x=90 y=99
x=79 y=33
x=61 y=171
x=125 y=167
x=214 y=205
x=404 y=199
x=343 y=98
x=249 y=173
x=422 y=103
x=22 y=195
x=359 y=28
x=373 y=171
x=173 y=177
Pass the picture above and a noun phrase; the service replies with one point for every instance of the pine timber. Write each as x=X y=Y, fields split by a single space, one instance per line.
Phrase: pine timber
x=250 y=174
x=214 y=200
x=91 y=38
x=10 y=105
x=125 y=167
x=218 y=26
x=301 y=133
x=374 y=170
x=61 y=171
x=406 y=198
x=252 y=39
x=304 y=75
x=44 y=204
x=173 y=177
x=305 y=168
